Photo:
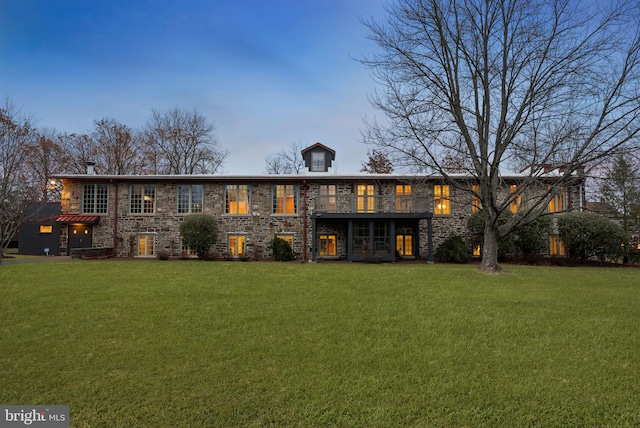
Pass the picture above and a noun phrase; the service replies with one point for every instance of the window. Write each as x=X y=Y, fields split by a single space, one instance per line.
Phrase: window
x=46 y=228
x=361 y=242
x=285 y=199
x=403 y=198
x=142 y=199
x=327 y=245
x=287 y=237
x=317 y=161
x=327 y=200
x=556 y=246
x=557 y=204
x=516 y=198
x=404 y=245
x=476 y=205
x=237 y=199
x=442 y=205
x=95 y=198
x=146 y=245
x=190 y=198
x=187 y=252
x=366 y=198
x=477 y=252
x=236 y=245
x=381 y=238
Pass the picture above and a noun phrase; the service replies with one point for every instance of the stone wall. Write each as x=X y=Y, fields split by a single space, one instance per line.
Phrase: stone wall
x=260 y=225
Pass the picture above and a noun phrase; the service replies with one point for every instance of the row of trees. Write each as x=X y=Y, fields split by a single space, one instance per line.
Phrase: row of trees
x=171 y=142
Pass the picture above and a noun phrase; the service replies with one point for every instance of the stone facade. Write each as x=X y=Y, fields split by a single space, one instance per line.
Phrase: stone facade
x=121 y=230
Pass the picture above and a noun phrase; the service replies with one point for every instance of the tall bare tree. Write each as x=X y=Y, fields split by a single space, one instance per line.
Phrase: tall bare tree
x=497 y=85
x=287 y=161
x=44 y=158
x=182 y=142
x=77 y=150
x=119 y=148
x=16 y=136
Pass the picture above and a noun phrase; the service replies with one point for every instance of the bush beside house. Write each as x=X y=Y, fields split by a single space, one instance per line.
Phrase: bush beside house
x=587 y=235
x=199 y=232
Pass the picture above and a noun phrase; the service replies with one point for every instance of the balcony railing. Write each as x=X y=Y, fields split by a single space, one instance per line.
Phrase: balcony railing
x=391 y=204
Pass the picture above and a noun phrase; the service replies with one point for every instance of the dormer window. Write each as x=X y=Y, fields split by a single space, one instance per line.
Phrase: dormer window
x=317 y=162
x=318 y=158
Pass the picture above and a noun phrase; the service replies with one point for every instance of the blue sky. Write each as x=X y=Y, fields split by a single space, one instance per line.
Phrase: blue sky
x=267 y=73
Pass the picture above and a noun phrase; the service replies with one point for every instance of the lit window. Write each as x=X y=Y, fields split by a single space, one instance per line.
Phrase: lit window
x=317 y=161
x=327 y=245
x=556 y=246
x=187 y=252
x=142 y=199
x=146 y=245
x=557 y=203
x=237 y=199
x=404 y=245
x=516 y=198
x=366 y=198
x=190 y=199
x=288 y=238
x=236 y=245
x=46 y=229
x=476 y=205
x=476 y=251
x=442 y=205
x=327 y=198
x=285 y=199
x=95 y=198
x=403 y=198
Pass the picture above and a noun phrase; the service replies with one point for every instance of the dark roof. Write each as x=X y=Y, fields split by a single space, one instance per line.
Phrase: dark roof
x=318 y=145
x=42 y=212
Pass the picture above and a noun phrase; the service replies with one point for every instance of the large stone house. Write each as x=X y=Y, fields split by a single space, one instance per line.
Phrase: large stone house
x=323 y=215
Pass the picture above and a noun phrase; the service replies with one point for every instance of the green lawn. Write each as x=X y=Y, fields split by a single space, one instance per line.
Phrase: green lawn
x=201 y=344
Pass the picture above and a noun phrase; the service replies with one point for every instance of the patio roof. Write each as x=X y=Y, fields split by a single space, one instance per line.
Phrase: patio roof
x=78 y=218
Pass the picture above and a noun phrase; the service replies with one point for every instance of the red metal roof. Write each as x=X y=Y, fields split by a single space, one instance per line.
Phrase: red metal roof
x=78 y=218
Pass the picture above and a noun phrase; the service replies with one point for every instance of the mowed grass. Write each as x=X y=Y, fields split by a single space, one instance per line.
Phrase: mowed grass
x=205 y=344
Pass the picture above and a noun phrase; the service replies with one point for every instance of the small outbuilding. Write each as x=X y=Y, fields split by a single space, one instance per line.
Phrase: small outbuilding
x=40 y=233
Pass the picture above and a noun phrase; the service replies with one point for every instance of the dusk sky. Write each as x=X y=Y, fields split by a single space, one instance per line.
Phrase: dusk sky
x=267 y=73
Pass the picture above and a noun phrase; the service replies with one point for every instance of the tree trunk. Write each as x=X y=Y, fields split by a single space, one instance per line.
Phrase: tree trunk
x=489 y=262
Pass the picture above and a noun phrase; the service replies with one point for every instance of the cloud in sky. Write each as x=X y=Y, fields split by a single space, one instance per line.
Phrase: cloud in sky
x=268 y=73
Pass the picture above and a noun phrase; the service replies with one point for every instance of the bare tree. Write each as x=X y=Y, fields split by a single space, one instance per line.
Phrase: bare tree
x=497 y=85
x=119 y=148
x=377 y=163
x=287 y=161
x=182 y=142
x=16 y=136
x=77 y=150
x=44 y=158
